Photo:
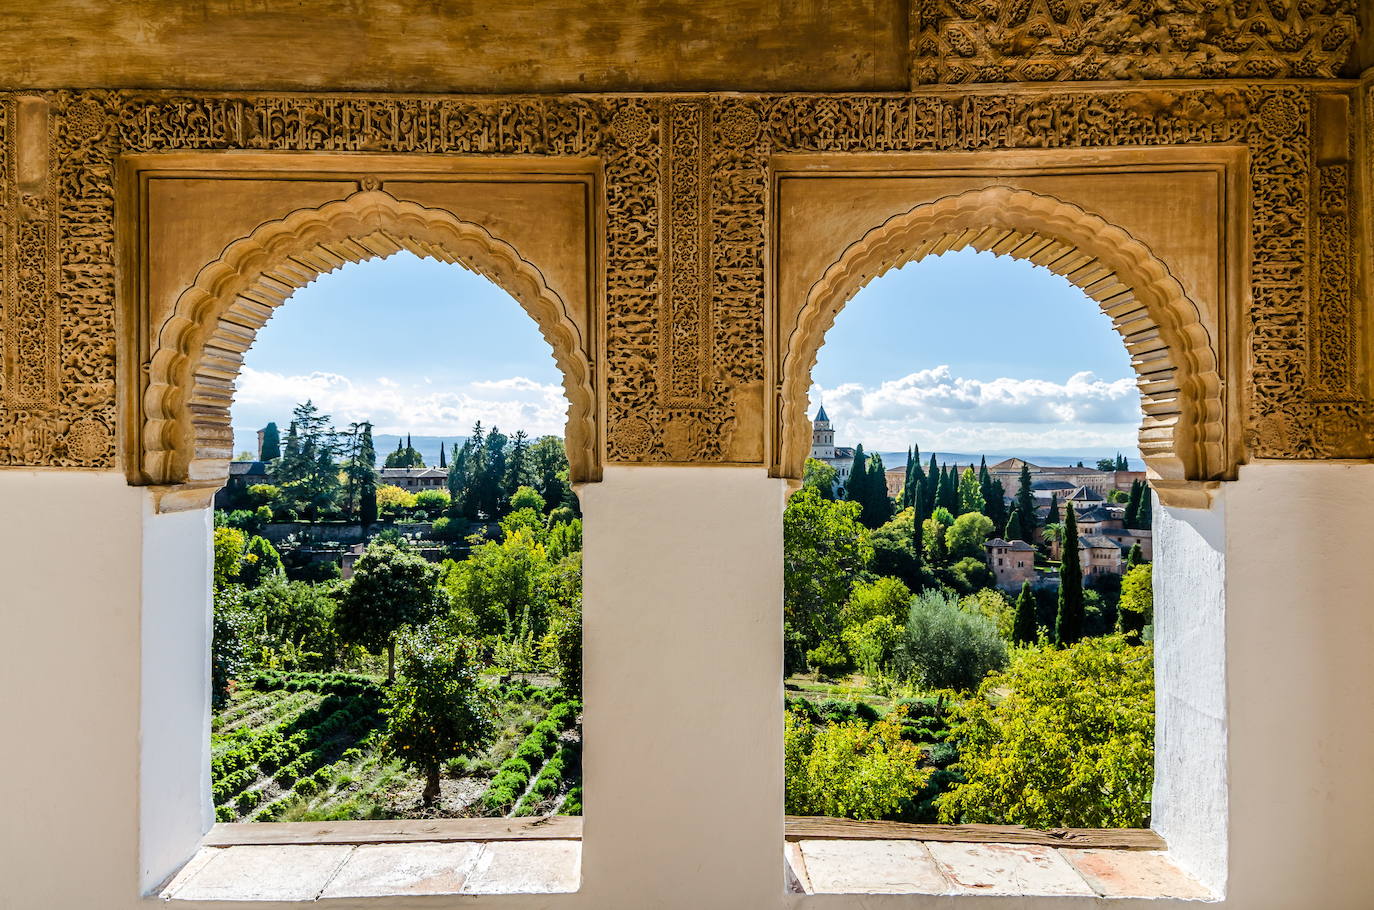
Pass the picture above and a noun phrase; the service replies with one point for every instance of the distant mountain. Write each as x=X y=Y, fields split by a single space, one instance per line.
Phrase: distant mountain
x=1045 y=459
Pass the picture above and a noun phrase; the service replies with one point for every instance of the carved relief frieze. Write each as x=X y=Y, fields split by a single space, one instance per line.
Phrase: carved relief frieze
x=959 y=41
x=686 y=198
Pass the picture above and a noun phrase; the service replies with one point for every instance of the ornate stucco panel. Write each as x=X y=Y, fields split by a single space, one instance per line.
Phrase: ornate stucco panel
x=680 y=359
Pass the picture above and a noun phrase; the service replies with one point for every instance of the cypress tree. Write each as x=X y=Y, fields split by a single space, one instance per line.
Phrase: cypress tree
x=997 y=504
x=1144 y=516
x=856 y=485
x=877 y=507
x=443 y=462
x=1024 y=631
x=1133 y=505
x=949 y=489
x=1068 y=625
x=1015 y=530
x=1025 y=499
x=367 y=489
x=932 y=487
x=1053 y=516
x=917 y=543
x=271 y=442
x=1134 y=557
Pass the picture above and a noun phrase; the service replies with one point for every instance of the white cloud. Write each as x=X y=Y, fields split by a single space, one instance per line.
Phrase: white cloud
x=943 y=411
x=513 y=404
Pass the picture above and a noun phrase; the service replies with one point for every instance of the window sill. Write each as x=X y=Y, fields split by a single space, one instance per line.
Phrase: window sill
x=318 y=861
x=308 y=861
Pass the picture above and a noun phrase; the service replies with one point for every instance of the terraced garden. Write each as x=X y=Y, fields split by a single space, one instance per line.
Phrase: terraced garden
x=310 y=747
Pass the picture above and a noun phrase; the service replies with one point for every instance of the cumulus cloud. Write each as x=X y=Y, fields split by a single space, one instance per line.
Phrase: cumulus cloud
x=424 y=408
x=946 y=411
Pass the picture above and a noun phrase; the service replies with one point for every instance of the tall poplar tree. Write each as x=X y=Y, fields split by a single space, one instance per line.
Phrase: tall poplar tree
x=1024 y=631
x=971 y=491
x=1068 y=624
x=271 y=442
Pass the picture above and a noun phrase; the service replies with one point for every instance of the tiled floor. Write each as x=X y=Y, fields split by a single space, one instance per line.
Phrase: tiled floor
x=916 y=867
x=307 y=872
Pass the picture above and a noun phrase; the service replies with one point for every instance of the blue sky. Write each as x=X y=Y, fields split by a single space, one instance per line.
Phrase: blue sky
x=963 y=352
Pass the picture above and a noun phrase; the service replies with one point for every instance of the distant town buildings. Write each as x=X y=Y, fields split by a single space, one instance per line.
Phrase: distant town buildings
x=413 y=480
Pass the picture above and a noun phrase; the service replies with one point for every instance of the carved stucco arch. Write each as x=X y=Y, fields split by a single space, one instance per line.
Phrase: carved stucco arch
x=1183 y=434
x=187 y=439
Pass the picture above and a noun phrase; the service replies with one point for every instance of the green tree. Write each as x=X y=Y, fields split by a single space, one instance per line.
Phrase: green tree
x=261 y=561
x=965 y=537
x=970 y=492
x=1136 y=607
x=949 y=488
x=391 y=588
x=1133 y=506
x=527 y=498
x=432 y=502
x=1052 y=517
x=1068 y=624
x=1025 y=502
x=897 y=548
x=1015 y=530
x=1025 y=631
x=1062 y=738
x=933 y=538
x=519 y=469
x=292 y=624
x=367 y=487
x=824 y=550
x=550 y=461
x=1106 y=464
x=946 y=647
x=876 y=506
x=932 y=487
x=856 y=484
x=405 y=456
x=849 y=770
x=360 y=471
x=820 y=477
x=1134 y=556
x=437 y=710
x=229 y=546
x=307 y=472
x=1144 y=517
x=997 y=504
x=271 y=442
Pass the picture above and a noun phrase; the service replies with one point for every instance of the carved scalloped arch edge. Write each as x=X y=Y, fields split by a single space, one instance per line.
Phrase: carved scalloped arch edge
x=186 y=436
x=1183 y=437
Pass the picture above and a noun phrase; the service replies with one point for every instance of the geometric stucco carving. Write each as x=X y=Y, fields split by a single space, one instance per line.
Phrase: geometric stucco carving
x=187 y=437
x=1183 y=435
x=958 y=41
x=683 y=208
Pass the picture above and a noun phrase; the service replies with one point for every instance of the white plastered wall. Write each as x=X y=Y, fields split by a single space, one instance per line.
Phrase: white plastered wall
x=684 y=712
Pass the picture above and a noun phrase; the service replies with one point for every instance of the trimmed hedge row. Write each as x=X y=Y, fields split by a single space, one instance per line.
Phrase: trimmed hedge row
x=549 y=782
x=542 y=742
x=328 y=683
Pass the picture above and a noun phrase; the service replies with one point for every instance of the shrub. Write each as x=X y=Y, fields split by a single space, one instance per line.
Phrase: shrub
x=829 y=658
x=946 y=647
x=225 y=814
x=1062 y=738
x=849 y=769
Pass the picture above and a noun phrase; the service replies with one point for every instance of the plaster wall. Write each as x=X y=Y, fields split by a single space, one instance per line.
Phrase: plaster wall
x=683 y=691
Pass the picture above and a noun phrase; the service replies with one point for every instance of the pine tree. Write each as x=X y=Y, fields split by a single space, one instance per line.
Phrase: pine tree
x=1024 y=630
x=1025 y=500
x=856 y=483
x=518 y=467
x=1068 y=625
x=1053 y=517
x=970 y=491
x=271 y=443
x=1015 y=530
